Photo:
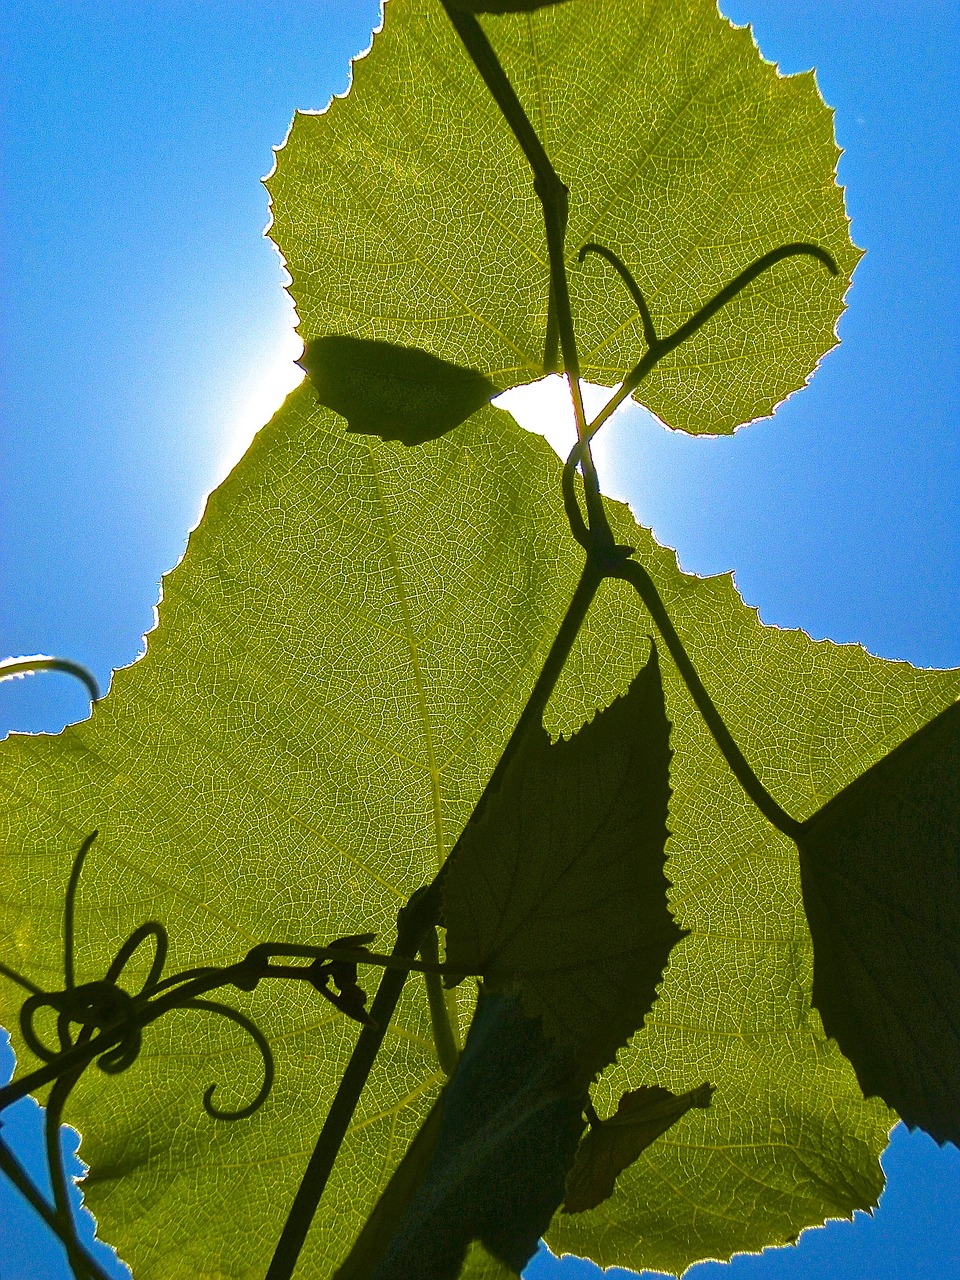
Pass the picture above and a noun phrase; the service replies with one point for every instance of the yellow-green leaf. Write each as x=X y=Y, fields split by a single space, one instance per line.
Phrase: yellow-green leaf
x=684 y=152
x=339 y=661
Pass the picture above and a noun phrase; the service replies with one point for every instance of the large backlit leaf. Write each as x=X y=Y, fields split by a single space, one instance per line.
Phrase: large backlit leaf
x=339 y=660
x=683 y=150
x=503 y=6
x=880 y=869
x=559 y=888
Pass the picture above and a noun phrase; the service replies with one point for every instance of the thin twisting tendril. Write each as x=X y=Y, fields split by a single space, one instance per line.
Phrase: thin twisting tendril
x=11 y=667
x=259 y=1039
x=69 y=909
x=101 y=1021
x=657 y=348
x=649 y=329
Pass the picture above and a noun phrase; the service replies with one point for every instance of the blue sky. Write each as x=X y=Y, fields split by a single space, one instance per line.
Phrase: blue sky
x=144 y=331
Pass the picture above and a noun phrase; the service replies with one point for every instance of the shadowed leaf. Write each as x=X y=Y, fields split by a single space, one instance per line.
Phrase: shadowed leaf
x=880 y=867
x=512 y=1118
x=560 y=887
x=503 y=6
x=480 y=1265
x=387 y=1213
x=642 y=1115
x=396 y=393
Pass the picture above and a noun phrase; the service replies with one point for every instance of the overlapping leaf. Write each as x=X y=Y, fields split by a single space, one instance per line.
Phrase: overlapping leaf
x=613 y=1144
x=512 y=1118
x=339 y=660
x=559 y=888
x=396 y=393
x=684 y=152
x=880 y=867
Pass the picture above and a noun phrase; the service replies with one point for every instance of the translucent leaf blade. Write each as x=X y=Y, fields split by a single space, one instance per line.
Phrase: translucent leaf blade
x=684 y=152
x=339 y=660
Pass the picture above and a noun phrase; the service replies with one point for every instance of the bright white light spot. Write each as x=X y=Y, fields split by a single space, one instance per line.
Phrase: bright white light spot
x=258 y=399
x=546 y=409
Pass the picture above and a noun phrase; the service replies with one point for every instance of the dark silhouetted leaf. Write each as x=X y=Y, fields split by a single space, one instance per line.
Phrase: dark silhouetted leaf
x=512 y=1118
x=560 y=887
x=503 y=6
x=642 y=1115
x=396 y=393
x=880 y=869
x=383 y=1221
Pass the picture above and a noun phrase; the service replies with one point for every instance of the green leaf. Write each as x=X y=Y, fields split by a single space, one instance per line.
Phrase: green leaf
x=642 y=1116
x=512 y=1119
x=502 y=6
x=880 y=867
x=387 y=1213
x=396 y=393
x=683 y=150
x=559 y=888
x=339 y=660
x=480 y=1265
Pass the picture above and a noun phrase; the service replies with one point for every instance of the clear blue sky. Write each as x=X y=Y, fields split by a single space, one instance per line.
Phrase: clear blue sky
x=142 y=307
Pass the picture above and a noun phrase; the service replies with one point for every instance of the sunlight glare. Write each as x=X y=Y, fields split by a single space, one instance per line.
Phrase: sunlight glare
x=258 y=400
x=545 y=408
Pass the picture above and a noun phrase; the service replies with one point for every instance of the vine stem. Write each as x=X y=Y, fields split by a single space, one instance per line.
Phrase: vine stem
x=448 y=1051
x=420 y=916
x=67 y=1232
x=554 y=199
x=634 y=573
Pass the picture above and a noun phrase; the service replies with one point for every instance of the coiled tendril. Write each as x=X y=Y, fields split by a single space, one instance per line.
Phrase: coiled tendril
x=101 y=1021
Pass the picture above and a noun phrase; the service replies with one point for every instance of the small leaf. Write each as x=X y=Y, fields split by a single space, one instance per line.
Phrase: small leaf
x=396 y=393
x=512 y=1118
x=560 y=886
x=880 y=869
x=642 y=1115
